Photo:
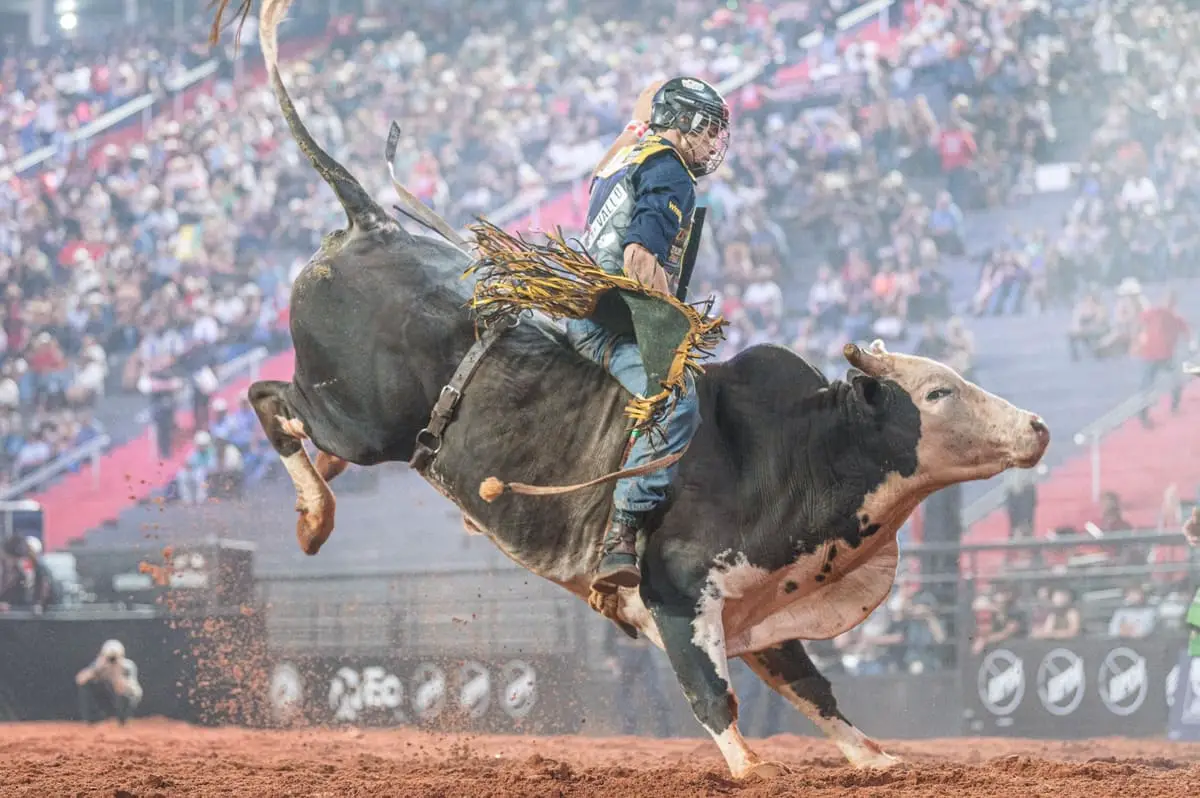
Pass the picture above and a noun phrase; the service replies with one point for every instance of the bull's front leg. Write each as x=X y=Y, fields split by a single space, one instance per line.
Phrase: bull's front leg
x=286 y=431
x=789 y=671
x=694 y=638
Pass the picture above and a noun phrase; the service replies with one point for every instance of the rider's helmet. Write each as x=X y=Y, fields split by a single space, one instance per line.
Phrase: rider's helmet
x=699 y=112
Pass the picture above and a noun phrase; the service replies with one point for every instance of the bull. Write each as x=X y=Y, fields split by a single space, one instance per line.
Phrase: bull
x=783 y=525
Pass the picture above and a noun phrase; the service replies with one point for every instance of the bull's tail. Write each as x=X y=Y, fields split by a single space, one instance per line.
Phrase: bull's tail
x=214 y=34
x=363 y=212
x=491 y=488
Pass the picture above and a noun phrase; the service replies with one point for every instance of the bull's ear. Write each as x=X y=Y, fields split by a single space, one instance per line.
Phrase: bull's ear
x=870 y=391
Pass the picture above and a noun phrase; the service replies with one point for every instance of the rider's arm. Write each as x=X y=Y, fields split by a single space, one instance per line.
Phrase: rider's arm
x=629 y=136
x=664 y=197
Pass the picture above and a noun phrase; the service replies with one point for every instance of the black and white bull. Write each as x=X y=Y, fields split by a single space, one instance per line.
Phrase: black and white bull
x=783 y=525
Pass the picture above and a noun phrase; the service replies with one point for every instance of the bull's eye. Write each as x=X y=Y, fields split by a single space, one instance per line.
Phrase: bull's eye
x=937 y=393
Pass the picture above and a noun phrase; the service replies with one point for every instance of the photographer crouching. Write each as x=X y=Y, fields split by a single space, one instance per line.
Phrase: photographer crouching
x=109 y=686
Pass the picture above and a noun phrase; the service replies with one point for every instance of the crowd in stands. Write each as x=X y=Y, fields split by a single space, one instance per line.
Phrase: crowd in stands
x=139 y=268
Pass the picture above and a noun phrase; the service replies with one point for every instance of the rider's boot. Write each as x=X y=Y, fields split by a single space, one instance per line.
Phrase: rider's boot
x=619 y=561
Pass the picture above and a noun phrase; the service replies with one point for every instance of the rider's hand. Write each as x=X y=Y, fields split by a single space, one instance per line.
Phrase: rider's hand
x=641 y=265
x=641 y=108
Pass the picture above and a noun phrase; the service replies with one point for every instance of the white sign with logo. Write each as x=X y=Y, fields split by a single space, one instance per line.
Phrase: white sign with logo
x=1001 y=682
x=519 y=683
x=350 y=693
x=429 y=691
x=1061 y=682
x=1122 y=681
x=474 y=689
x=287 y=692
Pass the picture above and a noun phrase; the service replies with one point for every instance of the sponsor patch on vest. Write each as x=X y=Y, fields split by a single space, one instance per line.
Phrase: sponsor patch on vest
x=615 y=200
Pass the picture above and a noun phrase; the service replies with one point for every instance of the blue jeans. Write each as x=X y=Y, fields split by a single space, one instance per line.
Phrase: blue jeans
x=620 y=355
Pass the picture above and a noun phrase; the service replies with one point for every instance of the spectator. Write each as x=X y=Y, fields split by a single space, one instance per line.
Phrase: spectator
x=946 y=225
x=1135 y=618
x=997 y=620
x=109 y=686
x=1063 y=621
x=1089 y=326
x=1161 y=330
x=204 y=461
x=922 y=635
x=1020 y=502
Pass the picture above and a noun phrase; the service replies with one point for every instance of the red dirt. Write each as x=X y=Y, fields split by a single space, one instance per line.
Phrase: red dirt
x=161 y=758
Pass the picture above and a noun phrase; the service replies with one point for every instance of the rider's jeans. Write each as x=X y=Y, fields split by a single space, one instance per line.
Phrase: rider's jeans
x=624 y=361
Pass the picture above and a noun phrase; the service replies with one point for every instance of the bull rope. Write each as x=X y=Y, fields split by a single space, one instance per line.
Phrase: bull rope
x=491 y=488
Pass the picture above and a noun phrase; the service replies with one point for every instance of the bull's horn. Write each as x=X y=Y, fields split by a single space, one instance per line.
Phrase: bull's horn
x=362 y=211
x=413 y=206
x=868 y=361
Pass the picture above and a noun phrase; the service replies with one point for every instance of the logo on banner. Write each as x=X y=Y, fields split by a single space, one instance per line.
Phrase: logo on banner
x=1060 y=681
x=1123 y=682
x=475 y=689
x=1001 y=681
x=287 y=692
x=351 y=693
x=519 y=683
x=429 y=691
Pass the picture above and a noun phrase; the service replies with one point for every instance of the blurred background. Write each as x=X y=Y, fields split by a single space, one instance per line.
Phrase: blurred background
x=1009 y=186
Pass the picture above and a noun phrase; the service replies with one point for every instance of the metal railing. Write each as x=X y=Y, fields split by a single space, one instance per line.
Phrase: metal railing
x=143 y=105
x=247 y=362
x=90 y=451
x=421 y=612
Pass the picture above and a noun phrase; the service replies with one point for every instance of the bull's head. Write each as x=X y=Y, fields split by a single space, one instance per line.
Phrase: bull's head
x=966 y=432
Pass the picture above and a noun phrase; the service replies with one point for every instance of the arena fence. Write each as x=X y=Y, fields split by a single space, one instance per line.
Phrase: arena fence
x=501 y=650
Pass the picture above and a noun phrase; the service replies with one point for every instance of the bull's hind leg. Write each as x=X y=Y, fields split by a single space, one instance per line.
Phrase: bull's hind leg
x=695 y=644
x=789 y=671
x=285 y=430
x=329 y=466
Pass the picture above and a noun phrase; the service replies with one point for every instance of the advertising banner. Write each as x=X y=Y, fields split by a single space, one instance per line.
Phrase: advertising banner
x=502 y=694
x=1067 y=689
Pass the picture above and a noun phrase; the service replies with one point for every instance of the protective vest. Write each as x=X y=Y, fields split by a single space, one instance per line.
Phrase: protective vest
x=613 y=204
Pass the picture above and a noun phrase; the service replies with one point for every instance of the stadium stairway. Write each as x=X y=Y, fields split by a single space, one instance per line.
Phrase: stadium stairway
x=371 y=534
x=127 y=473
x=1027 y=361
x=1136 y=463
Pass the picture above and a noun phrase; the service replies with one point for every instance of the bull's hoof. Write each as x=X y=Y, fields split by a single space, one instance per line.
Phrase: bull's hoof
x=876 y=761
x=312 y=530
x=765 y=771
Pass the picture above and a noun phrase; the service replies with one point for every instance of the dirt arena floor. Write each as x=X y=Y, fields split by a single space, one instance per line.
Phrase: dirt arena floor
x=161 y=758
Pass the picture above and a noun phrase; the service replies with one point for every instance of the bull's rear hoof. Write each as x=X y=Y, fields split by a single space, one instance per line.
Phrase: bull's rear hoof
x=312 y=536
x=879 y=761
x=765 y=771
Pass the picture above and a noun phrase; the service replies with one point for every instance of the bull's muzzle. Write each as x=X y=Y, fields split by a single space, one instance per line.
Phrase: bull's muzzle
x=1040 y=441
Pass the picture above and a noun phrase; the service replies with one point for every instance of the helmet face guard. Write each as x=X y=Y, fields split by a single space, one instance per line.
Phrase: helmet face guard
x=700 y=114
x=711 y=133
